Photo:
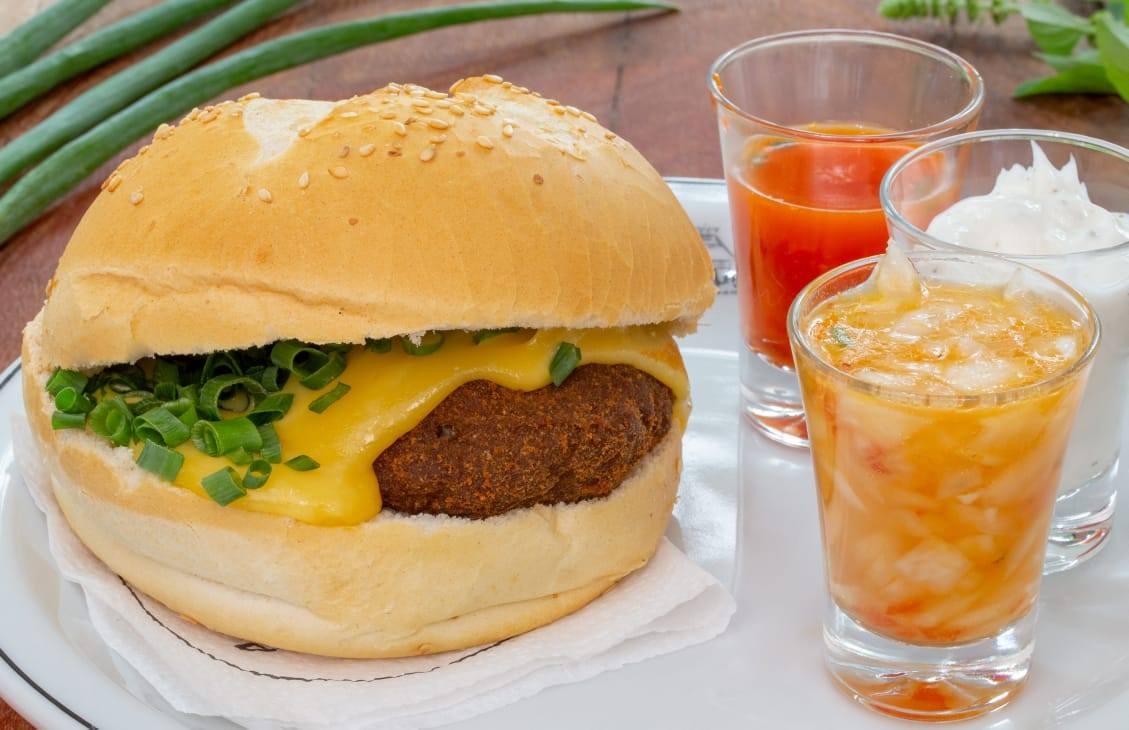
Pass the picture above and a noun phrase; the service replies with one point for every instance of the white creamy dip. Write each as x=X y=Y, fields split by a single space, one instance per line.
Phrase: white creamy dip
x=1033 y=210
x=1047 y=212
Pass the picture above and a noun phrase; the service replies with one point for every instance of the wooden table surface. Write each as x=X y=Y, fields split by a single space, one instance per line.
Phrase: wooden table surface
x=643 y=75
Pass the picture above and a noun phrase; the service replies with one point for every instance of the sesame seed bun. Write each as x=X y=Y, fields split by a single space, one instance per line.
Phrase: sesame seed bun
x=395 y=212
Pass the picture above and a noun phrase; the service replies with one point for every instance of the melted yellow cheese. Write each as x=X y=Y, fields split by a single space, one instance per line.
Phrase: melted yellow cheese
x=394 y=391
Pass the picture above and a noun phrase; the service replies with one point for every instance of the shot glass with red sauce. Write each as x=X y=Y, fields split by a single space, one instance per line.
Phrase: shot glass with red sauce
x=809 y=123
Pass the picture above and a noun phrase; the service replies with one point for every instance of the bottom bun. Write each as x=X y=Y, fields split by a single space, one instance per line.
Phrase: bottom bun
x=396 y=585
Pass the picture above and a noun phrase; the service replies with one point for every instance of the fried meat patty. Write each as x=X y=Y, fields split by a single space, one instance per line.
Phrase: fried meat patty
x=487 y=449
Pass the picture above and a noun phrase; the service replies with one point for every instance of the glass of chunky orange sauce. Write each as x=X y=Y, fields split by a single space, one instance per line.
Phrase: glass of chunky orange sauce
x=809 y=124
x=940 y=392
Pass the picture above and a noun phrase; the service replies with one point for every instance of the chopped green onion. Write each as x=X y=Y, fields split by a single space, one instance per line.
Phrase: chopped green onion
x=165 y=391
x=297 y=357
x=213 y=390
x=271 y=408
x=325 y=400
x=191 y=392
x=111 y=419
x=241 y=456
x=69 y=400
x=165 y=371
x=271 y=380
x=163 y=462
x=428 y=343
x=219 y=363
x=66 y=379
x=326 y=374
x=381 y=346
x=160 y=426
x=223 y=486
x=272 y=447
x=61 y=420
x=257 y=474
x=564 y=361
x=124 y=378
x=216 y=438
x=184 y=409
x=140 y=401
x=482 y=335
x=302 y=463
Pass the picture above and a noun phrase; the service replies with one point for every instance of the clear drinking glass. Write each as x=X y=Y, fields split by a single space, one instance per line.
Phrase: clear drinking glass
x=933 y=177
x=934 y=509
x=809 y=124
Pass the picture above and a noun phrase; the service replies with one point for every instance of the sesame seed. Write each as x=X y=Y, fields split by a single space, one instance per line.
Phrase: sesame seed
x=352 y=221
x=443 y=104
x=609 y=135
x=573 y=111
x=538 y=180
x=410 y=120
x=575 y=153
x=508 y=130
x=439 y=139
x=366 y=150
x=340 y=172
x=344 y=152
x=395 y=153
x=588 y=115
x=348 y=115
x=249 y=97
x=388 y=114
x=236 y=113
x=536 y=94
x=421 y=103
x=484 y=142
x=162 y=132
x=136 y=197
x=113 y=182
x=559 y=110
x=143 y=150
x=264 y=195
x=552 y=102
x=400 y=129
x=209 y=116
x=303 y=131
x=457 y=111
x=521 y=89
x=438 y=124
x=507 y=84
x=417 y=90
x=482 y=111
x=434 y=94
x=427 y=154
x=424 y=110
x=492 y=78
x=304 y=180
x=394 y=86
x=193 y=114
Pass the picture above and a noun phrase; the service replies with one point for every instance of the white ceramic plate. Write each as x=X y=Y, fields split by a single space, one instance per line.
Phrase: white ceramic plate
x=754 y=526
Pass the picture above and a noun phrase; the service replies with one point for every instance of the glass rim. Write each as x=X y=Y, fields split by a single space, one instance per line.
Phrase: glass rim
x=1018 y=393
x=871 y=37
x=895 y=219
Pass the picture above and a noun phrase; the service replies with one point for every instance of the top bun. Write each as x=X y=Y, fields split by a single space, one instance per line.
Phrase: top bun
x=392 y=213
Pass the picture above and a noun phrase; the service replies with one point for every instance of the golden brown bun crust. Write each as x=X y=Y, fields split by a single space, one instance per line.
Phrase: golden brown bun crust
x=393 y=586
x=402 y=210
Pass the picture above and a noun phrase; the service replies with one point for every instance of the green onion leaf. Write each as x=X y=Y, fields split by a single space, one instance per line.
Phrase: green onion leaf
x=381 y=346
x=302 y=463
x=69 y=400
x=216 y=438
x=482 y=335
x=564 y=361
x=140 y=401
x=272 y=447
x=257 y=474
x=223 y=486
x=184 y=409
x=272 y=378
x=326 y=374
x=325 y=400
x=124 y=378
x=165 y=391
x=159 y=460
x=428 y=343
x=271 y=408
x=165 y=371
x=296 y=357
x=241 y=456
x=213 y=391
x=61 y=420
x=160 y=426
x=66 y=379
x=111 y=419
x=219 y=363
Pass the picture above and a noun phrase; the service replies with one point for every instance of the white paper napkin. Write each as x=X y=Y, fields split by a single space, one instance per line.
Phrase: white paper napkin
x=667 y=605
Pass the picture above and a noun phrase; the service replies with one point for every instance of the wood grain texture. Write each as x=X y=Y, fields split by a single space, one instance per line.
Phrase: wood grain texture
x=643 y=75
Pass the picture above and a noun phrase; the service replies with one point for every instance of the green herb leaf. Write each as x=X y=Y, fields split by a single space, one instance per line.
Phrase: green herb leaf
x=1054 y=28
x=1113 y=48
x=159 y=460
x=564 y=361
x=1080 y=73
x=325 y=400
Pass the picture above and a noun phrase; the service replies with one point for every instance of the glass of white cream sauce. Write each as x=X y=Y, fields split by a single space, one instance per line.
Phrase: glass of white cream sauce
x=1058 y=202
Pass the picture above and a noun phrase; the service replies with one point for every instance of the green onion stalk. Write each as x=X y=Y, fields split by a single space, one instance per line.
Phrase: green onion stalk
x=116 y=92
x=24 y=43
x=37 y=78
x=70 y=164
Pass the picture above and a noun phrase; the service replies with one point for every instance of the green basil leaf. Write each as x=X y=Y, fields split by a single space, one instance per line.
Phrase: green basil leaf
x=1113 y=48
x=1081 y=73
x=1054 y=28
